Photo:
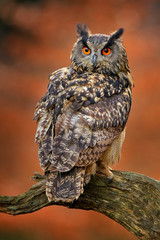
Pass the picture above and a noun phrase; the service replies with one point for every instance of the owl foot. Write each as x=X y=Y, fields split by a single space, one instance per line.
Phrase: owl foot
x=102 y=169
x=109 y=176
x=107 y=173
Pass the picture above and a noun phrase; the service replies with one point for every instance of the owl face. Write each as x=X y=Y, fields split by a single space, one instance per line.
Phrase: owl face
x=99 y=52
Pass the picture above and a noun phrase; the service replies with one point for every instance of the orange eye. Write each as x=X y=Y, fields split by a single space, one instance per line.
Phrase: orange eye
x=86 y=50
x=106 y=51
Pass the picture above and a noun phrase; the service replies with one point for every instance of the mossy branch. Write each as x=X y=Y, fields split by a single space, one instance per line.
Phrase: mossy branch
x=131 y=199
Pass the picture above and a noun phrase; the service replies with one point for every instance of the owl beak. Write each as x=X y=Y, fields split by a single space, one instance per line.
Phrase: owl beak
x=94 y=59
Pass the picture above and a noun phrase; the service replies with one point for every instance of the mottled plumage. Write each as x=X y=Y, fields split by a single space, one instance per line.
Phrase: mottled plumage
x=82 y=117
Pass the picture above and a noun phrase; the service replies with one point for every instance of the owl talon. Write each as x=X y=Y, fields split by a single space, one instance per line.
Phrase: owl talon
x=110 y=178
x=109 y=174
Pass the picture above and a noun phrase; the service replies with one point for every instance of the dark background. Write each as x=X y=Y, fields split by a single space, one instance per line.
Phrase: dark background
x=36 y=38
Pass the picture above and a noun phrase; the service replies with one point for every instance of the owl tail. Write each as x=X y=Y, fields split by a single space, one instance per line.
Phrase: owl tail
x=65 y=186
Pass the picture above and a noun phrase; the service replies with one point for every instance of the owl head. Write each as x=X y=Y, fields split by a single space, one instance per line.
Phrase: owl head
x=99 y=52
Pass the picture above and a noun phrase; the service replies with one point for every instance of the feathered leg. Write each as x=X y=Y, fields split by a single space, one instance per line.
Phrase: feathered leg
x=90 y=170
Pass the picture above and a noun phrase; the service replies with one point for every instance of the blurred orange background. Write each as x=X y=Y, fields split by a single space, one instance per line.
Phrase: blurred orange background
x=36 y=38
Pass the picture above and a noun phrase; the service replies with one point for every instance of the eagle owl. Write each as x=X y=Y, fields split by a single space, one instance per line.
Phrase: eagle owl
x=82 y=117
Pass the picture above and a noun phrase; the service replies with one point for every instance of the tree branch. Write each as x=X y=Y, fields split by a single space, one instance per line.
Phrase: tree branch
x=131 y=199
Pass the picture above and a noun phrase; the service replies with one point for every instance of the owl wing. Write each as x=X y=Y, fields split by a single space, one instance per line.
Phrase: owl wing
x=76 y=131
x=73 y=117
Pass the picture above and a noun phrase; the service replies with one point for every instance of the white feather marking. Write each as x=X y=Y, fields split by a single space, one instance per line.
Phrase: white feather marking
x=74 y=120
x=43 y=126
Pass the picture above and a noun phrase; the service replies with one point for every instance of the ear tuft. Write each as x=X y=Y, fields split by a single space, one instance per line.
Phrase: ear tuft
x=119 y=33
x=115 y=36
x=82 y=31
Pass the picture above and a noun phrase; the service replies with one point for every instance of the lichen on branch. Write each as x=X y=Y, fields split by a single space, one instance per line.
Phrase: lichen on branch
x=131 y=199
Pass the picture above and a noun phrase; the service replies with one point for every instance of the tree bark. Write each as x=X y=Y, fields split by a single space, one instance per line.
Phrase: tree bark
x=131 y=199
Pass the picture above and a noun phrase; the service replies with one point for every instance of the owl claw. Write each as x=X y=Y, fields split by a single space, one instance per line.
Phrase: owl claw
x=106 y=171
x=110 y=178
x=109 y=175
